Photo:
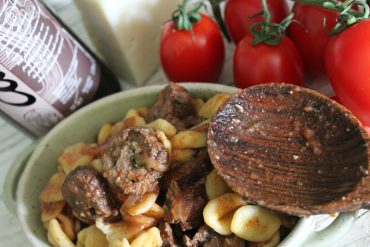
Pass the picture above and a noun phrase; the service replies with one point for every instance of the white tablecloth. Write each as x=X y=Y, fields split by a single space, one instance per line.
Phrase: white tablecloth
x=13 y=142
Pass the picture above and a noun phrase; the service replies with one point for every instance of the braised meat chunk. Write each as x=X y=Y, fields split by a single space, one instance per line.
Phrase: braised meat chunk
x=202 y=236
x=206 y=237
x=185 y=206
x=175 y=105
x=86 y=191
x=167 y=235
x=135 y=161
x=190 y=172
x=229 y=241
x=185 y=191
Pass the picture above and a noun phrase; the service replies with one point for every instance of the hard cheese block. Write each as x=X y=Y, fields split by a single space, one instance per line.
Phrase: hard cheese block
x=127 y=32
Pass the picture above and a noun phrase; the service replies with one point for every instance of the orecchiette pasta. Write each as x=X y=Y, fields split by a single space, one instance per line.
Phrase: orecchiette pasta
x=136 y=206
x=254 y=223
x=274 y=241
x=182 y=155
x=211 y=106
x=149 y=238
x=202 y=126
x=76 y=155
x=166 y=143
x=133 y=121
x=52 y=192
x=119 y=243
x=104 y=133
x=56 y=236
x=161 y=124
x=156 y=211
x=68 y=225
x=219 y=212
x=142 y=111
x=215 y=185
x=189 y=139
x=142 y=221
x=120 y=230
x=50 y=210
x=198 y=104
x=91 y=237
x=117 y=127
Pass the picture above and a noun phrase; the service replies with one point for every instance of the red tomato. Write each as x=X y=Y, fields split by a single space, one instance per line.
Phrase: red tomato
x=309 y=36
x=347 y=60
x=192 y=56
x=237 y=13
x=265 y=64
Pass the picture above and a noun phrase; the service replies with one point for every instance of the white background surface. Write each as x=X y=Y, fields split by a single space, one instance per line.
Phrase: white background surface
x=13 y=142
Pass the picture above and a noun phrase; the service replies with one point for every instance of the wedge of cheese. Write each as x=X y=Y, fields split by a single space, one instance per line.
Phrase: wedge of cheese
x=126 y=33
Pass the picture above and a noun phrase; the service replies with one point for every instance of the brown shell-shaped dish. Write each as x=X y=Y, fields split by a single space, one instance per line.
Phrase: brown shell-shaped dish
x=291 y=149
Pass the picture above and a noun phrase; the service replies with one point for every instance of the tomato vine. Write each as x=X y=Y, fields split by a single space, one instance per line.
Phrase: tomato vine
x=347 y=14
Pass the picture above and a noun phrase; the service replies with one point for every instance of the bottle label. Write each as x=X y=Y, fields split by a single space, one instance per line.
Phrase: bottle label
x=45 y=74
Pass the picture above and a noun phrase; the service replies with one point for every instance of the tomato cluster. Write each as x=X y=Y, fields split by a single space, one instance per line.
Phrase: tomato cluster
x=309 y=50
x=343 y=57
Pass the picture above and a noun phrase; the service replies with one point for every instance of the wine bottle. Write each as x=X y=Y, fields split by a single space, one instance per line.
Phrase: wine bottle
x=46 y=72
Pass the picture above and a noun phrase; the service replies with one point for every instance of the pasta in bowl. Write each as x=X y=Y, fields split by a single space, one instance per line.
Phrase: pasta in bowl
x=85 y=138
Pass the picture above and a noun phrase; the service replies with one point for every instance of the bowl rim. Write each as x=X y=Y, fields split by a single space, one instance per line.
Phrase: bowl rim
x=300 y=227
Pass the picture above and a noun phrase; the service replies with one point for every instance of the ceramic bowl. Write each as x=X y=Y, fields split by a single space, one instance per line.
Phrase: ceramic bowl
x=83 y=125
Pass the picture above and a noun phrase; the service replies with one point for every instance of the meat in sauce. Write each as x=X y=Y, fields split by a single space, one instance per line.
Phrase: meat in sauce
x=167 y=235
x=135 y=161
x=190 y=172
x=186 y=196
x=206 y=237
x=176 y=106
x=86 y=191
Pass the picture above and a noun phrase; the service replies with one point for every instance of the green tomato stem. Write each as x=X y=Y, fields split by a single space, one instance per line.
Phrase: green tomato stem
x=331 y=5
x=184 y=18
x=266 y=12
x=267 y=32
x=347 y=15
